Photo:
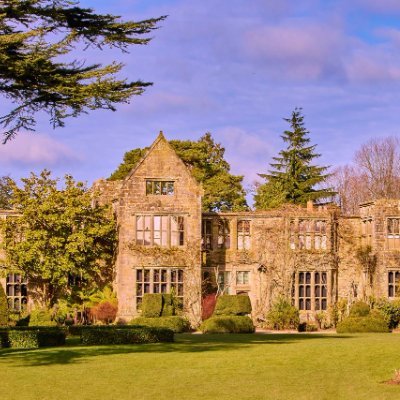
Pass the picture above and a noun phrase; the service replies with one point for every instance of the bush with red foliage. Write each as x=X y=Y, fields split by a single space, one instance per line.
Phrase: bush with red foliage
x=104 y=312
x=208 y=305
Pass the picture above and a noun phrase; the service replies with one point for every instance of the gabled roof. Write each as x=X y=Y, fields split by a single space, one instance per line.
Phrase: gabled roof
x=160 y=139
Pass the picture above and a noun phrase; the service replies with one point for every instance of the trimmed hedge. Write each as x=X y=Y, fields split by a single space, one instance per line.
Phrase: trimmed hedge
x=124 y=334
x=228 y=324
x=32 y=337
x=370 y=323
x=230 y=304
x=307 y=327
x=158 y=305
x=175 y=323
x=168 y=306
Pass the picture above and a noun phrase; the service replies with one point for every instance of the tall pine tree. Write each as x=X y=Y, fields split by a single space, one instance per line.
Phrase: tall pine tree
x=293 y=178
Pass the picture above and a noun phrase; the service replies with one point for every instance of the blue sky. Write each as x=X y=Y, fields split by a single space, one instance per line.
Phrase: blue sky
x=236 y=69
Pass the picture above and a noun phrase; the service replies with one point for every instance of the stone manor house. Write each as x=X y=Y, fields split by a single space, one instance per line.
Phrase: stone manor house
x=312 y=255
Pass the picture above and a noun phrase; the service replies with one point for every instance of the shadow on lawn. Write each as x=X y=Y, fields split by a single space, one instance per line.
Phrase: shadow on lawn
x=74 y=352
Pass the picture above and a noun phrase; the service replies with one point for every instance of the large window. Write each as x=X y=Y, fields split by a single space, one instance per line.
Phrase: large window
x=243 y=235
x=393 y=233
x=312 y=291
x=224 y=234
x=158 y=280
x=163 y=188
x=394 y=284
x=206 y=234
x=224 y=282
x=17 y=292
x=160 y=230
x=308 y=234
x=242 y=277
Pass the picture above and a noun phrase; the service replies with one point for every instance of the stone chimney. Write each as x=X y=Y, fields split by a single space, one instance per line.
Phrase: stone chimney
x=310 y=205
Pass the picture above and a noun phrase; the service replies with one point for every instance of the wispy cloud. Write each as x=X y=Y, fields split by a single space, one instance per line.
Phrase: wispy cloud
x=32 y=149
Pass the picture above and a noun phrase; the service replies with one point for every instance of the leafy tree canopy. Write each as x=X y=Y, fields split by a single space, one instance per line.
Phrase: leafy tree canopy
x=36 y=38
x=293 y=179
x=5 y=192
x=59 y=235
x=205 y=158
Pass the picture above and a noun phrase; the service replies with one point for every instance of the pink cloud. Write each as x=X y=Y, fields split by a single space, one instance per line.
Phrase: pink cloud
x=373 y=65
x=302 y=50
x=34 y=149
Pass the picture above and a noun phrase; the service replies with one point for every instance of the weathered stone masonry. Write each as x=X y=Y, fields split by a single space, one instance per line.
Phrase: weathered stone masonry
x=312 y=254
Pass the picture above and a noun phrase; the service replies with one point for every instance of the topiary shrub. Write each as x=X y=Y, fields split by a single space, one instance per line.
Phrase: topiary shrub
x=168 y=305
x=229 y=304
x=371 y=323
x=157 y=304
x=227 y=324
x=175 y=323
x=125 y=334
x=41 y=317
x=283 y=315
x=359 y=309
x=391 y=311
x=3 y=307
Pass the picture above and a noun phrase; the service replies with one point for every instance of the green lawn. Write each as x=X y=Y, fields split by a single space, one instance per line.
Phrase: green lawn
x=209 y=367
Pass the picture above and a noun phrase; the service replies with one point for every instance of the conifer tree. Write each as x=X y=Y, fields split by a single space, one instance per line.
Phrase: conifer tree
x=36 y=38
x=293 y=178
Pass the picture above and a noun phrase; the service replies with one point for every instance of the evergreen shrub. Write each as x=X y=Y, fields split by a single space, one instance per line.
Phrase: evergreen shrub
x=283 y=315
x=175 y=323
x=32 y=337
x=3 y=307
x=157 y=305
x=307 y=327
x=229 y=304
x=124 y=334
x=227 y=324
x=168 y=306
x=391 y=311
x=370 y=323
x=41 y=317
x=359 y=309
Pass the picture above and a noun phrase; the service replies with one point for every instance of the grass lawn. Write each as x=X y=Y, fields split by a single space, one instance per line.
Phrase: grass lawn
x=259 y=366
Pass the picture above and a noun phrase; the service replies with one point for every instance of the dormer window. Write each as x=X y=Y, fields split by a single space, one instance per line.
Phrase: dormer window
x=160 y=188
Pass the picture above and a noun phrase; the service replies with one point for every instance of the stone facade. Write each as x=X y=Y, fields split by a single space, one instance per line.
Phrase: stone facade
x=313 y=254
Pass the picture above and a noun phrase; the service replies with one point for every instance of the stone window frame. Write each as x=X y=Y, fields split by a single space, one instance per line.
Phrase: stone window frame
x=242 y=278
x=308 y=233
x=243 y=227
x=311 y=290
x=224 y=234
x=224 y=281
x=206 y=234
x=167 y=235
x=158 y=280
x=392 y=232
x=393 y=283
x=16 y=291
x=160 y=187
x=366 y=231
